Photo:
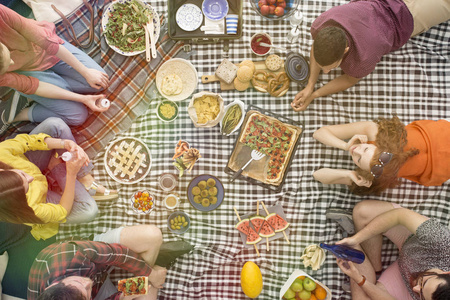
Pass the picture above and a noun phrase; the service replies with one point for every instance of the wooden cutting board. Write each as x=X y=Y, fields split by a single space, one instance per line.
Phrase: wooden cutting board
x=259 y=65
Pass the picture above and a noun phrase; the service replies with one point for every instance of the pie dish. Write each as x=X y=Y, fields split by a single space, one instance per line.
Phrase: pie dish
x=127 y=160
x=189 y=17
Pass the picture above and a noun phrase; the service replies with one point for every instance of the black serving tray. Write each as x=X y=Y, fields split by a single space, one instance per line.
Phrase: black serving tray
x=299 y=124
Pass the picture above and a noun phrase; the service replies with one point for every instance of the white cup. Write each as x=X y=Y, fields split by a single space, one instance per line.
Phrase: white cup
x=171 y=201
x=232 y=23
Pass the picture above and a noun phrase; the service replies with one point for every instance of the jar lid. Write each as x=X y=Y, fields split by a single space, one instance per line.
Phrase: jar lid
x=296 y=67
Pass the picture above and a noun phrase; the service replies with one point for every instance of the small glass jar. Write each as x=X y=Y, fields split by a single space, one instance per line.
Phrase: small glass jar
x=293 y=34
x=296 y=19
x=168 y=182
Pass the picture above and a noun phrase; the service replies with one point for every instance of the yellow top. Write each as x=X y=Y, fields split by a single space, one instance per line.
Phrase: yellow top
x=12 y=152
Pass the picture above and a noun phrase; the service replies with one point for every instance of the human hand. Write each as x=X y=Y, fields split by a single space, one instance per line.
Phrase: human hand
x=302 y=100
x=349 y=241
x=74 y=165
x=158 y=276
x=349 y=269
x=96 y=79
x=71 y=146
x=356 y=139
x=359 y=180
x=90 y=101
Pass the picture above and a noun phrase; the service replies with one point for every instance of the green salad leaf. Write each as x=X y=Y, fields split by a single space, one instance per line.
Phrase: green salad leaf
x=125 y=27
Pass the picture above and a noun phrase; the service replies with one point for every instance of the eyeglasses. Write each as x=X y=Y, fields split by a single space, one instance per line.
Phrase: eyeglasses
x=421 y=282
x=385 y=158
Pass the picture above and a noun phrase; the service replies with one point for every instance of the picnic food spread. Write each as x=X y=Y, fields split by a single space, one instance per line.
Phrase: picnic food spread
x=272 y=90
x=134 y=286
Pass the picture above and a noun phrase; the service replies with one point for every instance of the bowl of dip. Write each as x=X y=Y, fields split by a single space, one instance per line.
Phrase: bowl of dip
x=256 y=40
x=167 y=111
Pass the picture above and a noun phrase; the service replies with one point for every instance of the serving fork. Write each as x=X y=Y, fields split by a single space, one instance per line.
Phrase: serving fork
x=256 y=155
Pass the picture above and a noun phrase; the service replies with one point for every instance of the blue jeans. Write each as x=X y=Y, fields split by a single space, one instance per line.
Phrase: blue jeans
x=84 y=207
x=63 y=76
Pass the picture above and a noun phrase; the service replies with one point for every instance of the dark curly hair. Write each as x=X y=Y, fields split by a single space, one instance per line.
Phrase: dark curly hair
x=329 y=45
x=391 y=137
x=61 y=291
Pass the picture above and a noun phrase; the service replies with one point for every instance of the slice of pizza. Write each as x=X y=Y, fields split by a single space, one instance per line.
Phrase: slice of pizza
x=134 y=286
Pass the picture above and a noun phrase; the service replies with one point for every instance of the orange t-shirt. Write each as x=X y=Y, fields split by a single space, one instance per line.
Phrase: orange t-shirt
x=431 y=167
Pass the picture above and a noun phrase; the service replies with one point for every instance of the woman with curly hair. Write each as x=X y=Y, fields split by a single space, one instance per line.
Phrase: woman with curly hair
x=385 y=150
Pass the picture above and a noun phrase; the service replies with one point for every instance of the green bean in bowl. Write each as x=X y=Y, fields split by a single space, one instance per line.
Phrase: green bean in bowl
x=233 y=118
x=123 y=25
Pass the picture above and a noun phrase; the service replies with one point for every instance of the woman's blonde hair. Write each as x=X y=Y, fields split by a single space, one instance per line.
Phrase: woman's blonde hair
x=392 y=138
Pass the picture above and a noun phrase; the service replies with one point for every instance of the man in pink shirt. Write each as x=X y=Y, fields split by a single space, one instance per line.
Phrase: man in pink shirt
x=57 y=76
x=356 y=35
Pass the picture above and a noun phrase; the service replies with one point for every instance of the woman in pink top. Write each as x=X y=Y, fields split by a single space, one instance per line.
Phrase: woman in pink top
x=57 y=76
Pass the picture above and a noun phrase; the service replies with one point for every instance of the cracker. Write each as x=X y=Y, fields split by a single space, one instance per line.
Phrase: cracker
x=274 y=62
x=226 y=71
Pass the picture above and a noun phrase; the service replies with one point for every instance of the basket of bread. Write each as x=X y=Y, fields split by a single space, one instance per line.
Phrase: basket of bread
x=206 y=109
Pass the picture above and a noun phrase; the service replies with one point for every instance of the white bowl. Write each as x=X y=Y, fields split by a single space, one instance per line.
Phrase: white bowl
x=242 y=106
x=105 y=19
x=270 y=42
x=296 y=274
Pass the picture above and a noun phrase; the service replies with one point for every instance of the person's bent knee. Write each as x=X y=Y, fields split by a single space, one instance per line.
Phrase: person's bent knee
x=153 y=234
x=78 y=116
x=362 y=212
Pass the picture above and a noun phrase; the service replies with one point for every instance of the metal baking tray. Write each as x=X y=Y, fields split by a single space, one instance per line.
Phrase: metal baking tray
x=299 y=124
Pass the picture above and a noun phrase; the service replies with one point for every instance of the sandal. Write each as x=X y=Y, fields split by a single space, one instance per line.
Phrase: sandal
x=107 y=195
x=343 y=218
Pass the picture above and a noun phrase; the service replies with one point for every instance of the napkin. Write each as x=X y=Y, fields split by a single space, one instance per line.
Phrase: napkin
x=219 y=23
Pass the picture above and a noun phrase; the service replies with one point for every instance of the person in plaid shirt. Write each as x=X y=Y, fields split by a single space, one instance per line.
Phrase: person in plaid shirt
x=79 y=269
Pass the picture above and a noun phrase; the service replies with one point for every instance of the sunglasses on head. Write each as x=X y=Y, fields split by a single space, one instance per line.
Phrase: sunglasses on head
x=385 y=158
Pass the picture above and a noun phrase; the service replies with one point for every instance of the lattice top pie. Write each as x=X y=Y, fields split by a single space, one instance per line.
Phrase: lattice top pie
x=127 y=160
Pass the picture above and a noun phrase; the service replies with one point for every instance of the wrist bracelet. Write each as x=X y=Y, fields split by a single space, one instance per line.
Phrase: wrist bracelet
x=362 y=281
x=62 y=143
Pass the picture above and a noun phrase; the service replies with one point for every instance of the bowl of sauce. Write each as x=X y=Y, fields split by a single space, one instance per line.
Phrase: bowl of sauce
x=255 y=43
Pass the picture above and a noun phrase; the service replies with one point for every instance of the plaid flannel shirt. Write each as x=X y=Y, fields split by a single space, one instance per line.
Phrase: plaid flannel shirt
x=82 y=258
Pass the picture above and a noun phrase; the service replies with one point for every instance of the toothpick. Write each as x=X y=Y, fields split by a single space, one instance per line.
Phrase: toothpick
x=265 y=208
x=239 y=218
x=285 y=236
x=237 y=214
x=257 y=207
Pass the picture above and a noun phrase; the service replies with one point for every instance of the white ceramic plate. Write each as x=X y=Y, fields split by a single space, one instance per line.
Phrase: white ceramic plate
x=105 y=19
x=185 y=70
x=189 y=17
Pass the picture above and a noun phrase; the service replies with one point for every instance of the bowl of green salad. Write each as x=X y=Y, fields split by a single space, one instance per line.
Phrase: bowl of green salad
x=123 y=24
